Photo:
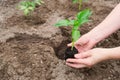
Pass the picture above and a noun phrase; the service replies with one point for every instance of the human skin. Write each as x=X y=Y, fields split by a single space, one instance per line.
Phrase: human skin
x=93 y=56
x=109 y=25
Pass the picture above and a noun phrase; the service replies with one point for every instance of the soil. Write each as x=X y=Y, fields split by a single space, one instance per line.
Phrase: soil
x=32 y=49
x=70 y=52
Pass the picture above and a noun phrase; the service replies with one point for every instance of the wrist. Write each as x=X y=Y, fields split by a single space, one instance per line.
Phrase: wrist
x=109 y=54
x=114 y=53
x=100 y=32
x=102 y=54
x=96 y=36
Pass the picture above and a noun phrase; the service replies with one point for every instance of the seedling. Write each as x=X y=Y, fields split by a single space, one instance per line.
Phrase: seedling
x=79 y=2
x=81 y=18
x=29 y=6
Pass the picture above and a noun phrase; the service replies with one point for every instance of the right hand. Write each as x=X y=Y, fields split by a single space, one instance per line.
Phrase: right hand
x=84 y=43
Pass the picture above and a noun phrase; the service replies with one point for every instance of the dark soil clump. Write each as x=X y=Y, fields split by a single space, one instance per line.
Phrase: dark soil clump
x=70 y=53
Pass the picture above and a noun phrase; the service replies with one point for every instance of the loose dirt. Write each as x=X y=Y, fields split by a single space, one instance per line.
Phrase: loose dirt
x=32 y=49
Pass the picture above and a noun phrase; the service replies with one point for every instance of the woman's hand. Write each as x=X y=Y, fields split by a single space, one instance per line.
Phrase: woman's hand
x=86 y=42
x=109 y=25
x=89 y=58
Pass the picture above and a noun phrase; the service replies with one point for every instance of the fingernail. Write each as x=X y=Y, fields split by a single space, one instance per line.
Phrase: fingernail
x=67 y=60
x=68 y=44
x=75 y=56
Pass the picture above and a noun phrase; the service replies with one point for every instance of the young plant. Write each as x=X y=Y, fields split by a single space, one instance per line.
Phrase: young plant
x=29 y=6
x=79 y=2
x=81 y=18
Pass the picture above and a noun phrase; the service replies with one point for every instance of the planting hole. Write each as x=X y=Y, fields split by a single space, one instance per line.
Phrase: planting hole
x=60 y=50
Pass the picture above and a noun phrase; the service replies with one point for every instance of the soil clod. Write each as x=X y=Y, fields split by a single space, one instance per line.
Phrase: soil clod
x=70 y=53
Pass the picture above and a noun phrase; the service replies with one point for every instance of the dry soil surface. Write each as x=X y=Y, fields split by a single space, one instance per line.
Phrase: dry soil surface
x=31 y=48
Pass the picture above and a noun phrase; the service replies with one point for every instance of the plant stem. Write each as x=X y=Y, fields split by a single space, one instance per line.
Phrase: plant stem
x=80 y=4
x=72 y=45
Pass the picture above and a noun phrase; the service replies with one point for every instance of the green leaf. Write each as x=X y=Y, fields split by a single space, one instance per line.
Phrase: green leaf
x=83 y=17
x=75 y=35
x=85 y=14
x=74 y=1
x=27 y=6
x=22 y=7
x=71 y=22
x=26 y=11
x=77 y=1
x=32 y=4
x=64 y=23
x=22 y=3
x=31 y=8
x=83 y=21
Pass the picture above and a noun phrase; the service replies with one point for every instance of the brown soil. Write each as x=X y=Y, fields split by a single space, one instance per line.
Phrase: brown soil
x=32 y=49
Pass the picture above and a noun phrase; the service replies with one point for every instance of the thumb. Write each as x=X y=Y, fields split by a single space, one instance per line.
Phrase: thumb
x=89 y=45
x=81 y=41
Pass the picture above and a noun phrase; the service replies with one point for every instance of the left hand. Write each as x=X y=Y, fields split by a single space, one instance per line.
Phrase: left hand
x=89 y=58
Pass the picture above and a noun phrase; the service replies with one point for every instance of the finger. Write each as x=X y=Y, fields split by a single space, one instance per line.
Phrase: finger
x=89 y=46
x=69 y=45
x=72 y=61
x=82 y=55
x=80 y=46
x=76 y=65
x=81 y=42
x=80 y=49
x=86 y=61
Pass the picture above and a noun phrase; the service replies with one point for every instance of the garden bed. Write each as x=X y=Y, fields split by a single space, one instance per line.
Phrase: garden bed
x=32 y=49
